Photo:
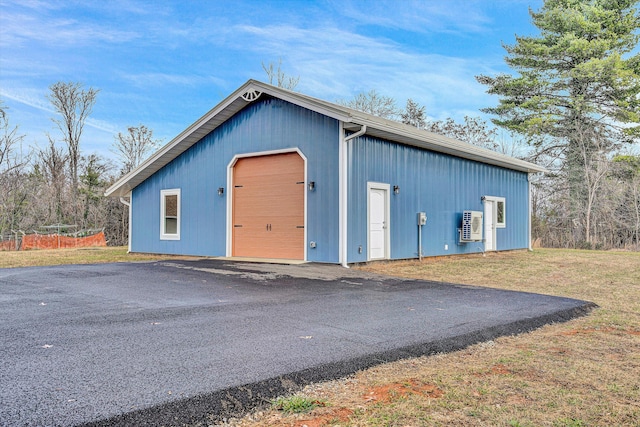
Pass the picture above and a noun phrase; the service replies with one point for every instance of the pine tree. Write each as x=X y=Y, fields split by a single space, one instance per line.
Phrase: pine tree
x=576 y=94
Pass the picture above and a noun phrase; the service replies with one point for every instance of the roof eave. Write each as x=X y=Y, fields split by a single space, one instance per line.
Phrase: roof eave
x=410 y=135
x=383 y=128
x=211 y=120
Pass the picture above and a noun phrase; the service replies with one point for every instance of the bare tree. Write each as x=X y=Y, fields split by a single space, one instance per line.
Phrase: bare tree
x=93 y=182
x=52 y=162
x=10 y=142
x=414 y=114
x=373 y=103
x=474 y=130
x=593 y=148
x=134 y=146
x=12 y=165
x=279 y=78
x=74 y=105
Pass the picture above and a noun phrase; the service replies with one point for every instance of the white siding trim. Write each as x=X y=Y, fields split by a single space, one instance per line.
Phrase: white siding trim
x=130 y=221
x=343 y=199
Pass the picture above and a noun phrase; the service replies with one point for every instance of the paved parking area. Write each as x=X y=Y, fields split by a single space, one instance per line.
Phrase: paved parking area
x=168 y=342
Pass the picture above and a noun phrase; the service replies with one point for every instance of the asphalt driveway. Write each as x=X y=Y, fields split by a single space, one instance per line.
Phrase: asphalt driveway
x=164 y=343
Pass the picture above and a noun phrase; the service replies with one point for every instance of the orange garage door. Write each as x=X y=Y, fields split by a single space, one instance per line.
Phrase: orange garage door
x=268 y=207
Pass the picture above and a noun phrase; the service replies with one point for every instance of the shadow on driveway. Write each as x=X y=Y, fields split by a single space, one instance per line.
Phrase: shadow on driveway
x=172 y=342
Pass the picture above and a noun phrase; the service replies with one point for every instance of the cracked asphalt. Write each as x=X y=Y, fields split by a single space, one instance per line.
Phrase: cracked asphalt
x=173 y=342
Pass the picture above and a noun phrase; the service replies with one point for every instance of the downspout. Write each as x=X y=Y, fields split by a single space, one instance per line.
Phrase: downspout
x=128 y=204
x=530 y=211
x=344 y=171
x=361 y=132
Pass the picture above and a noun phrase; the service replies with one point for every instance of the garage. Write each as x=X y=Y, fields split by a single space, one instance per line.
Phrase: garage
x=268 y=207
x=269 y=173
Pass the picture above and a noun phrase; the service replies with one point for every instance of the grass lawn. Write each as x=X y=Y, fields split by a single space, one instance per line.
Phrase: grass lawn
x=72 y=256
x=585 y=372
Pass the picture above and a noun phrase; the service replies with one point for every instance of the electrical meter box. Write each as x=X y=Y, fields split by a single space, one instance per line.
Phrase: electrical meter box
x=422 y=218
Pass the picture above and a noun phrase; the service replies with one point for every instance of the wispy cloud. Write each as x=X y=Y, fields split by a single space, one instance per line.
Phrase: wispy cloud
x=162 y=79
x=417 y=16
x=336 y=64
x=38 y=101
x=28 y=97
x=163 y=63
x=20 y=27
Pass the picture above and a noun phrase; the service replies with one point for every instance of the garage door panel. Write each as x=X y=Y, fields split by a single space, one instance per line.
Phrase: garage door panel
x=268 y=202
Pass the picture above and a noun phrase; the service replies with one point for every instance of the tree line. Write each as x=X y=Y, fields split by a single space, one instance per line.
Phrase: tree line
x=571 y=105
x=59 y=184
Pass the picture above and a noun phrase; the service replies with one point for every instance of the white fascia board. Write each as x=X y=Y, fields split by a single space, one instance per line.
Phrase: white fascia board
x=317 y=105
x=179 y=144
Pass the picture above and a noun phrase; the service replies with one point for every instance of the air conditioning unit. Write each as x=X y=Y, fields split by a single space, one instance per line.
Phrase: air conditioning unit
x=471 y=226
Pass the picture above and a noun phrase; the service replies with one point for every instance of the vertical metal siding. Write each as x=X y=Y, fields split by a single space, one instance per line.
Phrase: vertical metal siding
x=438 y=184
x=265 y=125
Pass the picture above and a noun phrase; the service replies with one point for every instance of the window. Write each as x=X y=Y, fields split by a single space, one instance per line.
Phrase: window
x=500 y=213
x=170 y=214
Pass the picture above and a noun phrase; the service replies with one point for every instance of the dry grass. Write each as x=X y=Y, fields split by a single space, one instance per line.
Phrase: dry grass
x=96 y=255
x=585 y=372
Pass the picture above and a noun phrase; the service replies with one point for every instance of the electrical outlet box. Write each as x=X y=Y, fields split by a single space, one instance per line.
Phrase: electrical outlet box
x=422 y=218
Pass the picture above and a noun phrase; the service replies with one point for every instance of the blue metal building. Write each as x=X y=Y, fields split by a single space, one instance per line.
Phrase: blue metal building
x=271 y=173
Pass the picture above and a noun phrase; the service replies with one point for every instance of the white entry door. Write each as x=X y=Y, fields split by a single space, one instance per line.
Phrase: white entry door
x=378 y=221
x=489 y=226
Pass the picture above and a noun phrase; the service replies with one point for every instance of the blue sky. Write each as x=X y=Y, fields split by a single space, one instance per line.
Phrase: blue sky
x=164 y=63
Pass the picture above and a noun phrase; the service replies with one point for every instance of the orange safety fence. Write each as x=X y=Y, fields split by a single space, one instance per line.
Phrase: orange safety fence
x=8 y=245
x=55 y=241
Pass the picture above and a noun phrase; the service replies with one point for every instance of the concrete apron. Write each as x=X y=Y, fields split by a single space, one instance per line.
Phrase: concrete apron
x=263 y=260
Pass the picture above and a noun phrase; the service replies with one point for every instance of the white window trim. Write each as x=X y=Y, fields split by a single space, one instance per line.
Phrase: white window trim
x=497 y=200
x=163 y=194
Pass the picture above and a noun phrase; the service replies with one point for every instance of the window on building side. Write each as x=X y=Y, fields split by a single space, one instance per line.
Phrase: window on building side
x=170 y=214
x=500 y=213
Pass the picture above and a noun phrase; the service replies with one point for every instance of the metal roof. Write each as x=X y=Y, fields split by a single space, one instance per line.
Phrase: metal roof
x=353 y=120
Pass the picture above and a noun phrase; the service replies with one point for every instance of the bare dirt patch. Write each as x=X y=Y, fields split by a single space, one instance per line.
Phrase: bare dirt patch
x=335 y=415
